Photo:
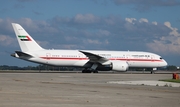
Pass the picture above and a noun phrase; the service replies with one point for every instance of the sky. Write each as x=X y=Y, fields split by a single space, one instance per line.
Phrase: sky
x=120 y=25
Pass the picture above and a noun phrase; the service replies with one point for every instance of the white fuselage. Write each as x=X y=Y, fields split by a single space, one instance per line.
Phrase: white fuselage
x=76 y=58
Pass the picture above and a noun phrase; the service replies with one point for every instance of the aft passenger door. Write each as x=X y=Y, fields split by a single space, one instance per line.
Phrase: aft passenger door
x=48 y=56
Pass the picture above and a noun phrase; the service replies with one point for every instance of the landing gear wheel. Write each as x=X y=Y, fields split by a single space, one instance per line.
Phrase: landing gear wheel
x=86 y=71
x=95 y=71
x=152 y=72
x=89 y=71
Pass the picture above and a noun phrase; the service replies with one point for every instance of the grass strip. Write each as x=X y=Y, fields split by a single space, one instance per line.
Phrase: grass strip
x=171 y=80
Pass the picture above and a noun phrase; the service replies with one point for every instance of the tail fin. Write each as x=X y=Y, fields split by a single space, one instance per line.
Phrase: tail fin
x=26 y=42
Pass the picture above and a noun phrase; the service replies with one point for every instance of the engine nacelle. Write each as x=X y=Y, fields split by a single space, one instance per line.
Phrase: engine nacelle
x=119 y=66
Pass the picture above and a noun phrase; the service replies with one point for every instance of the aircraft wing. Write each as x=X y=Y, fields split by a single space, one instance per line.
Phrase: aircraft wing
x=93 y=57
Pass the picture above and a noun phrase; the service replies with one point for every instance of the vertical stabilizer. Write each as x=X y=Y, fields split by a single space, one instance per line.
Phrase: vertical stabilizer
x=26 y=42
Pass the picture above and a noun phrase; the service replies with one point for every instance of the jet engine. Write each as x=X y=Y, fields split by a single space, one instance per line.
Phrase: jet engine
x=119 y=66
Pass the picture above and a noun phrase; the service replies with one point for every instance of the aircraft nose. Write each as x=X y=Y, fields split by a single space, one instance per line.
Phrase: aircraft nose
x=165 y=63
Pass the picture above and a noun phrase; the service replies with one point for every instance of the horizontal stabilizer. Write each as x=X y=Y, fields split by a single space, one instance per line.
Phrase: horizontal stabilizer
x=22 y=54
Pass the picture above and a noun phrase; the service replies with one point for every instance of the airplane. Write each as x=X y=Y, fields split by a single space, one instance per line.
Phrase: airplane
x=89 y=60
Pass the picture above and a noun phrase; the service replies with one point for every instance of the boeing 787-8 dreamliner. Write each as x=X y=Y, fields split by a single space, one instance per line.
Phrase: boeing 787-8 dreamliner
x=90 y=60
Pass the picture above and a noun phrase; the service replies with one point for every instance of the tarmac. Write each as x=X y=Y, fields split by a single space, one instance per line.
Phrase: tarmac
x=86 y=90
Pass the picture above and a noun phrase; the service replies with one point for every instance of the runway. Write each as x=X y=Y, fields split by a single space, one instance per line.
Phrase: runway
x=84 y=90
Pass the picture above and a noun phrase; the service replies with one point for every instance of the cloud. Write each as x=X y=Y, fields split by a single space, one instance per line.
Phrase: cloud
x=86 y=18
x=90 y=41
x=7 y=40
x=29 y=24
x=163 y=48
x=83 y=32
x=167 y=44
x=174 y=30
x=130 y=20
x=155 y=23
x=143 y=20
x=7 y=36
x=103 y=33
x=68 y=46
x=37 y=26
x=43 y=43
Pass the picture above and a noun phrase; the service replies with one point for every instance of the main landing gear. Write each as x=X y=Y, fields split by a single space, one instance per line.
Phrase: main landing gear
x=89 y=71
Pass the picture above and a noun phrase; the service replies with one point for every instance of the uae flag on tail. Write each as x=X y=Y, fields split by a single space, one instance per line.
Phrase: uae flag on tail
x=24 y=38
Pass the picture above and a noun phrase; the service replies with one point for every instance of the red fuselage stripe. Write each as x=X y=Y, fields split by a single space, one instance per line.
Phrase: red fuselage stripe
x=58 y=58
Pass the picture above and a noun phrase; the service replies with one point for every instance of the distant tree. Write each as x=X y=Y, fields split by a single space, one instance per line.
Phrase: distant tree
x=171 y=68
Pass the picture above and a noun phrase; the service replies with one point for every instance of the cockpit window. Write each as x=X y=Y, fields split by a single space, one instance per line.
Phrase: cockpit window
x=161 y=58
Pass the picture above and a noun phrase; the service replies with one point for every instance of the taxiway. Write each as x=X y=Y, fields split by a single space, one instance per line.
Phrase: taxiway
x=84 y=90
